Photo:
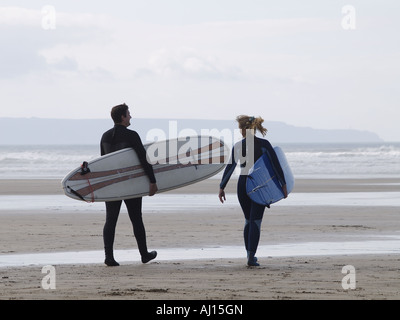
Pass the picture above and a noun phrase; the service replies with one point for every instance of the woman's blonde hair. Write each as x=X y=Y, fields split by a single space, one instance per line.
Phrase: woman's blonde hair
x=247 y=122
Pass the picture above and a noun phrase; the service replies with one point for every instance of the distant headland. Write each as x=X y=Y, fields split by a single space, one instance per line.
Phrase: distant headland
x=41 y=131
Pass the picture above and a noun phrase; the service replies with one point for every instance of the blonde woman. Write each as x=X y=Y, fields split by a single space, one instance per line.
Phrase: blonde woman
x=247 y=151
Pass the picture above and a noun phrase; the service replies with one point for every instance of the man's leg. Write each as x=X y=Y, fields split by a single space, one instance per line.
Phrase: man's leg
x=134 y=207
x=112 y=213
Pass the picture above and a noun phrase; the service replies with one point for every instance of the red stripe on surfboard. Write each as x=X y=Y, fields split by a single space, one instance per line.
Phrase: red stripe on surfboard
x=99 y=174
x=90 y=189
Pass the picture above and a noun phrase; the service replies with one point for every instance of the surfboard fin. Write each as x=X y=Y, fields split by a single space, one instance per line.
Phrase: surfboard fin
x=75 y=193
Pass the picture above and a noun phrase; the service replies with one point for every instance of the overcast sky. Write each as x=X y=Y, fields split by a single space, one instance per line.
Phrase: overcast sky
x=307 y=63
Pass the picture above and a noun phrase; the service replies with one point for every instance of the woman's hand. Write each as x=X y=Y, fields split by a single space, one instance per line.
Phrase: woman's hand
x=285 y=193
x=221 y=195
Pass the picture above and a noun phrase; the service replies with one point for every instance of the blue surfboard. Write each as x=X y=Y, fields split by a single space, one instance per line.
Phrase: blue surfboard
x=262 y=184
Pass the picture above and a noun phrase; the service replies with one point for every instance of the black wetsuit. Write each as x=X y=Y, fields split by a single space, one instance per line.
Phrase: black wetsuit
x=112 y=140
x=253 y=212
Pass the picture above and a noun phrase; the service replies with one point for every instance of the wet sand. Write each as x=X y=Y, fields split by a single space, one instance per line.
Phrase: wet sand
x=300 y=277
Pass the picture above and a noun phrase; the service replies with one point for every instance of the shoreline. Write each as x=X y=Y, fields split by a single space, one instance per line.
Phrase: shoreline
x=65 y=229
x=53 y=186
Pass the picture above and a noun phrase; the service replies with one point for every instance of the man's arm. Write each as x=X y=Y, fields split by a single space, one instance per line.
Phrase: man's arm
x=147 y=167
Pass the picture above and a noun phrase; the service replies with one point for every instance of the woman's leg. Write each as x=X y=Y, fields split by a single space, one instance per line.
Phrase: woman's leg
x=253 y=214
x=245 y=204
x=256 y=215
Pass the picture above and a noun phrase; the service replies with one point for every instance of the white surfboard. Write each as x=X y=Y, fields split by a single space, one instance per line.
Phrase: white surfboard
x=119 y=175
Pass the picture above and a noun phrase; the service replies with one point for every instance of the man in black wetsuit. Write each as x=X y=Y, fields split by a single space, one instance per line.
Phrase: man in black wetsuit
x=118 y=138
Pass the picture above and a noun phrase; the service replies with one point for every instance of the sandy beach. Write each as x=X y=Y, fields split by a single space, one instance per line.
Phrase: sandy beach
x=34 y=230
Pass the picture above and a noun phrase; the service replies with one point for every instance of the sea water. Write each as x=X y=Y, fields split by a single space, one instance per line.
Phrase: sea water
x=43 y=161
x=330 y=161
x=364 y=160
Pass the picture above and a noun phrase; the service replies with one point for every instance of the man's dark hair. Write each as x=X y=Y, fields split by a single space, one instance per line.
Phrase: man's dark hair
x=118 y=111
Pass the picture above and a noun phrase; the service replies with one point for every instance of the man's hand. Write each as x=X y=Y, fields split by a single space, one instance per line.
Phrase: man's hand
x=153 y=189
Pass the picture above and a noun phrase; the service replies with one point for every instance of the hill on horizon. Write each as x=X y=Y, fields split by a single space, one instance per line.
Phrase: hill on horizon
x=42 y=131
